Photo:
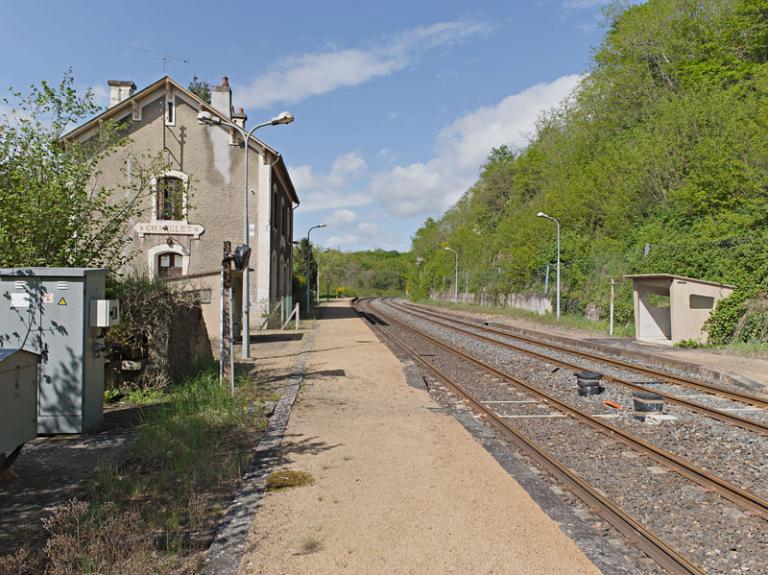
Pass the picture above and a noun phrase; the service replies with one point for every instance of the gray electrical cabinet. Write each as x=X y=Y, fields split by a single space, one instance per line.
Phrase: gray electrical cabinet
x=48 y=311
x=18 y=399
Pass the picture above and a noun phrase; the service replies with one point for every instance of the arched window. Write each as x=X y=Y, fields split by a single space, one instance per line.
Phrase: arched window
x=168 y=261
x=169 y=265
x=169 y=198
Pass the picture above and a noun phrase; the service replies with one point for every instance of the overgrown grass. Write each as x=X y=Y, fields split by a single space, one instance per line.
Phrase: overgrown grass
x=183 y=466
x=757 y=349
x=310 y=544
x=566 y=320
x=191 y=443
x=135 y=396
x=287 y=478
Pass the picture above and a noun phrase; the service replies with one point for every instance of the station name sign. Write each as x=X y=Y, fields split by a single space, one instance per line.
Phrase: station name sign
x=169 y=229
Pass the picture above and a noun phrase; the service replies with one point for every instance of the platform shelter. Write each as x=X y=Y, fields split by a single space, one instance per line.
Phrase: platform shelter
x=670 y=308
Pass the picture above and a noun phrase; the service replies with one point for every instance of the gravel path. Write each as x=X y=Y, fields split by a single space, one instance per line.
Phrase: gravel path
x=400 y=486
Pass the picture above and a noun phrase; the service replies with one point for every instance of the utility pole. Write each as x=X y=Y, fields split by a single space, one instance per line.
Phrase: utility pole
x=309 y=271
x=557 y=222
x=318 y=274
x=226 y=355
x=613 y=298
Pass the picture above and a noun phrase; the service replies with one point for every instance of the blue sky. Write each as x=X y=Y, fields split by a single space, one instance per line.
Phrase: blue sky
x=397 y=103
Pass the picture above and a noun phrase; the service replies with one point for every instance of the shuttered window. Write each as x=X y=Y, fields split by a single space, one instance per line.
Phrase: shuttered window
x=170 y=198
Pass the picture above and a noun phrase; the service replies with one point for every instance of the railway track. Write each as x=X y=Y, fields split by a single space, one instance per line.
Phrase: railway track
x=714 y=413
x=661 y=375
x=661 y=552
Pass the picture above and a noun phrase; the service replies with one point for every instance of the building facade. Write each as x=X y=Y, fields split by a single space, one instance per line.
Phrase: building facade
x=195 y=201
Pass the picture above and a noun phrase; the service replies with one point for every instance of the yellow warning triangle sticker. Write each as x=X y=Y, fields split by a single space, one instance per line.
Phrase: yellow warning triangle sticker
x=62 y=301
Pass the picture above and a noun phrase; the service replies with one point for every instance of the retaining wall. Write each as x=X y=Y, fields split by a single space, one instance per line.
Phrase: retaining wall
x=534 y=303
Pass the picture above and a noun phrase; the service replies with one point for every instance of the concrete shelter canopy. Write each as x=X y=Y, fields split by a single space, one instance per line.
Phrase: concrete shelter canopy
x=671 y=308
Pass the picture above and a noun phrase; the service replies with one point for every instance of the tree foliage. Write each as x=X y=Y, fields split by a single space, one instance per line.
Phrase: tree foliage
x=54 y=210
x=352 y=273
x=657 y=163
x=201 y=89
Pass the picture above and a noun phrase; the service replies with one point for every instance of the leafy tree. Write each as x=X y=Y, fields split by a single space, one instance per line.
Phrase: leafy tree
x=201 y=89
x=658 y=163
x=53 y=209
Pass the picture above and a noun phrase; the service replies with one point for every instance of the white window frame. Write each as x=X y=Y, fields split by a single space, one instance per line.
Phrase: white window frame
x=170 y=98
x=156 y=251
x=184 y=200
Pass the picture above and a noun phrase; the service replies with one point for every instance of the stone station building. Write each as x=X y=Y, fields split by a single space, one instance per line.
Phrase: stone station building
x=196 y=203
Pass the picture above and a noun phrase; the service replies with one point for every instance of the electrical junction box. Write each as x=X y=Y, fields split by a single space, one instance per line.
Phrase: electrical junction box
x=46 y=311
x=18 y=398
x=104 y=312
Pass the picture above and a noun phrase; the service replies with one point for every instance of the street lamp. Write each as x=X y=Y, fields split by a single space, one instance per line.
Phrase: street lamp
x=456 y=275
x=208 y=119
x=309 y=272
x=317 y=276
x=543 y=215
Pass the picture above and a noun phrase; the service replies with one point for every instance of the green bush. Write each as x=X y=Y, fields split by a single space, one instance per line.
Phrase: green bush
x=722 y=324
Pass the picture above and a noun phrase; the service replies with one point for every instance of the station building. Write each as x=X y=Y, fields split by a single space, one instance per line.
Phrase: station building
x=195 y=202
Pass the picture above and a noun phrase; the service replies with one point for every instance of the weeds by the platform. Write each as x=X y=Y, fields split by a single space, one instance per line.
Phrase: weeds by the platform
x=283 y=479
x=146 y=515
x=310 y=544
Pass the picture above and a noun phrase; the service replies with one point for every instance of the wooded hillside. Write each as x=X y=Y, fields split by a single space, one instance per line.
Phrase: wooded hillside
x=657 y=164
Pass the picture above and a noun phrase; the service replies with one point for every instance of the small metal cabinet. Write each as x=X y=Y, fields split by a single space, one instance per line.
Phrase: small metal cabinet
x=18 y=398
x=46 y=311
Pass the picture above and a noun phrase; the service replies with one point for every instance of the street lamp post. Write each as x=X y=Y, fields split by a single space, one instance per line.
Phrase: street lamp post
x=455 y=275
x=543 y=215
x=309 y=271
x=209 y=119
x=317 y=276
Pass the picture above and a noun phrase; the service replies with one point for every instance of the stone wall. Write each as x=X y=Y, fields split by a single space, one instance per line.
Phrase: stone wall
x=188 y=344
x=533 y=303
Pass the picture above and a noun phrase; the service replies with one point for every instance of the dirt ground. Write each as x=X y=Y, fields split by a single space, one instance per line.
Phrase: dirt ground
x=400 y=487
x=53 y=469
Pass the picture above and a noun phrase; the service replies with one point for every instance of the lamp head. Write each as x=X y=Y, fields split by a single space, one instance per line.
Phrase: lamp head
x=322 y=225
x=282 y=118
x=206 y=118
x=541 y=215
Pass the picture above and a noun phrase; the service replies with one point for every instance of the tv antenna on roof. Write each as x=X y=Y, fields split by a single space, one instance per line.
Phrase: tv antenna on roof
x=164 y=57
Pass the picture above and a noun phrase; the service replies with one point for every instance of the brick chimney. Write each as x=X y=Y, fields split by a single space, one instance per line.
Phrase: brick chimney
x=221 y=97
x=240 y=118
x=120 y=90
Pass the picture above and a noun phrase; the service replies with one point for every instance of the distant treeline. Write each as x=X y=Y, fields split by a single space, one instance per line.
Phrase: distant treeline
x=346 y=274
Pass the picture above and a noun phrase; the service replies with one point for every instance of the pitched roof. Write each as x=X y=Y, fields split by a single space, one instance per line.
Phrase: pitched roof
x=163 y=82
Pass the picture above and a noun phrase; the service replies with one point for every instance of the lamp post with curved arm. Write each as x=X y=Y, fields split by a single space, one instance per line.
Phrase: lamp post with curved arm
x=209 y=119
x=309 y=271
x=543 y=215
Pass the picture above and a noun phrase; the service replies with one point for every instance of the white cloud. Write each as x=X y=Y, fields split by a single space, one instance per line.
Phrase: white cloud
x=462 y=147
x=299 y=77
x=331 y=190
x=364 y=236
x=100 y=95
x=341 y=219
